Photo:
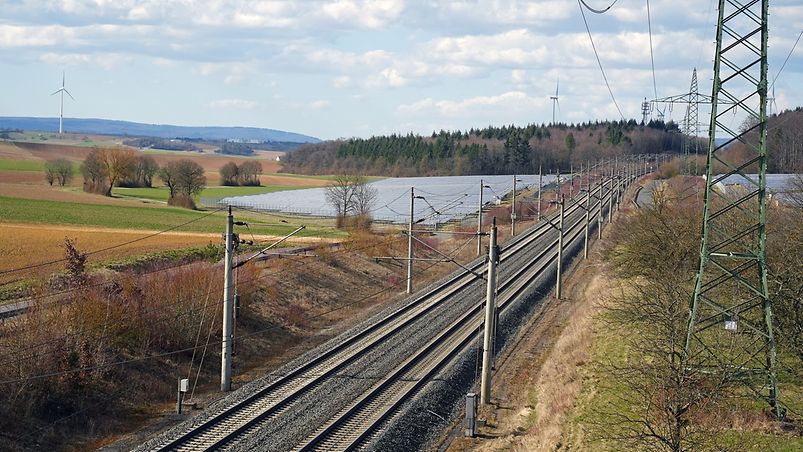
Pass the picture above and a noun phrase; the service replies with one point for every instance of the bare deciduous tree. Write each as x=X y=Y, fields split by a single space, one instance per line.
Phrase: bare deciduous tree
x=658 y=398
x=118 y=164
x=229 y=173
x=794 y=190
x=58 y=170
x=351 y=195
x=185 y=179
x=248 y=172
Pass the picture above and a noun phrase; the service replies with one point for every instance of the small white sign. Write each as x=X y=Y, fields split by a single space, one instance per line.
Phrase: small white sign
x=730 y=325
x=185 y=385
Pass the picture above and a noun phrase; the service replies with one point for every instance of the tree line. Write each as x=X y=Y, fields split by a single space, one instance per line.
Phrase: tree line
x=492 y=150
x=247 y=173
x=104 y=169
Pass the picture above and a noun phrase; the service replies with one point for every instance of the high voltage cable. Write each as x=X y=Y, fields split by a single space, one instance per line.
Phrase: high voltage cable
x=580 y=3
x=598 y=11
x=174 y=352
x=42 y=264
x=158 y=308
x=126 y=392
x=652 y=57
x=787 y=58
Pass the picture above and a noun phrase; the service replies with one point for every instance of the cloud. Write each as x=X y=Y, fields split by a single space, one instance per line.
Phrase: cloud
x=108 y=61
x=511 y=100
x=234 y=104
x=319 y=104
x=343 y=81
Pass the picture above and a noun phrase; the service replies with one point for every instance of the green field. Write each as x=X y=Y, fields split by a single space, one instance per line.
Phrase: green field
x=30 y=165
x=136 y=217
x=162 y=193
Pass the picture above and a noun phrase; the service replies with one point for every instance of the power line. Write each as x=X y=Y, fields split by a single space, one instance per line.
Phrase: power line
x=156 y=309
x=172 y=228
x=580 y=3
x=598 y=11
x=175 y=352
x=787 y=59
x=652 y=57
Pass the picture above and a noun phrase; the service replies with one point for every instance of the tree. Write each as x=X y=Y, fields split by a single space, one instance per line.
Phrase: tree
x=794 y=190
x=364 y=197
x=248 y=172
x=229 y=173
x=340 y=194
x=64 y=171
x=659 y=396
x=351 y=195
x=94 y=172
x=50 y=173
x=185 y=179
x=145 y=168
x=58 y=170
x=117 y=164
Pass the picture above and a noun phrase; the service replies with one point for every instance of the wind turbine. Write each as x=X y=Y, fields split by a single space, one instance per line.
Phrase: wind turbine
x=555 y=101
x=62 y=90
x=771 y=100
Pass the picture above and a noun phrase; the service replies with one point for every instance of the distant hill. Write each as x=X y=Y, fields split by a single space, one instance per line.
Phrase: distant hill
x=123 y=128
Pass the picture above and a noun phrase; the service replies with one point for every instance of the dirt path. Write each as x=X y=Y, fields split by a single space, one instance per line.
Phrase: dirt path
x=537 y=383
x=538 y=380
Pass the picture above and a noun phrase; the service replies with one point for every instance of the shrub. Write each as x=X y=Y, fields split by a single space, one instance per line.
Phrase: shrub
x=182 y=200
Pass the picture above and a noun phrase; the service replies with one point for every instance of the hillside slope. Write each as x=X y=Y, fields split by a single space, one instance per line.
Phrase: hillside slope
x=113 y=127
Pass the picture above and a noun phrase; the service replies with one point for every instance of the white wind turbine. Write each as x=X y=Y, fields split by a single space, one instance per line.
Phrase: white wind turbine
x=771 y=101
x=555 y=101
x=62 y=90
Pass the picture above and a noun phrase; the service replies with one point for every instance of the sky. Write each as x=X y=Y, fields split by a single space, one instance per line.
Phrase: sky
x=350 y=68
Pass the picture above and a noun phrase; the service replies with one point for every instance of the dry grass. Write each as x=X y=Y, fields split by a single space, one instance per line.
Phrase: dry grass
x=22 y=245
x=560 y=380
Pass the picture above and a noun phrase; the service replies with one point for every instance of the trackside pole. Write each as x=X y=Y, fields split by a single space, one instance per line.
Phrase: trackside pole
x=588 y=222
x=540 y=185
x=560 y=251
x=490 y=309
x=410 y=243
x=479 y=221
x=225 y=367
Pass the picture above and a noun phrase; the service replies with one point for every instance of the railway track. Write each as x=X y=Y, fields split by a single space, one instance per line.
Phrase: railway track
x=246 y=417
x=355 y=423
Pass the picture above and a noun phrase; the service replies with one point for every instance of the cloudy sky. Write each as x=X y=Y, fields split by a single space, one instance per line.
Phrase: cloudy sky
x=344 y=68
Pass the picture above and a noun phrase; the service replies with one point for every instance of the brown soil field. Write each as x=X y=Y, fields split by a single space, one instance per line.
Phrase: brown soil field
x=22 y=245
x=48 y=193
x=10 y=151
x=47 y=151
x=26 y=244
x=209 y=161
x=213 y=162
x=22 y=177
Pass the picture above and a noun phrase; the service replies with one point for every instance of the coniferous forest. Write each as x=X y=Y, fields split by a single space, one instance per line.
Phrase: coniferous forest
x=491 y=150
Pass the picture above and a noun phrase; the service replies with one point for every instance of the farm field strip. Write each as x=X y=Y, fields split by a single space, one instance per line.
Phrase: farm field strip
x=22 y=245
x=162 y=193
x=34 y=211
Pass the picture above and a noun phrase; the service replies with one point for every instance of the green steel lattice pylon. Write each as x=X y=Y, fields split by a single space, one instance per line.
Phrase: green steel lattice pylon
x=691 y=122
x=730 y=323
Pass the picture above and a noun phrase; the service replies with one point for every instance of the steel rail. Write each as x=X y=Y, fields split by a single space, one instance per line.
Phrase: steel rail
x=237 y=418
x=354 y=423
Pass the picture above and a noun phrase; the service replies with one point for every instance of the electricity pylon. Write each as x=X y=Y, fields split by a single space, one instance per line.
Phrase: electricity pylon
x=730 y=322
x=691 y=123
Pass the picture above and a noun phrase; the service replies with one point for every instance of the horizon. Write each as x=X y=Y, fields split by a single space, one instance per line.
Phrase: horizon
x=346 y=68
